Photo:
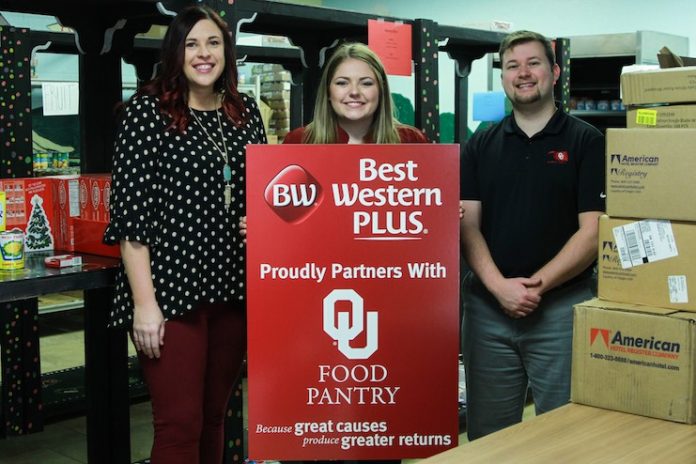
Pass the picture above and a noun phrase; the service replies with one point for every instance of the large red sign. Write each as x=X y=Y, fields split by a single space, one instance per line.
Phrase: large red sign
x=353 y=286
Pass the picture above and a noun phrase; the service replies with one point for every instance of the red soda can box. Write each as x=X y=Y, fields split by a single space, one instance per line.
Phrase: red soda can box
x=95 y=191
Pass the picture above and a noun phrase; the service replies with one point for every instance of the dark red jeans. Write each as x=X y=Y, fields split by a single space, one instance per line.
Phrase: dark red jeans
x=191 y=383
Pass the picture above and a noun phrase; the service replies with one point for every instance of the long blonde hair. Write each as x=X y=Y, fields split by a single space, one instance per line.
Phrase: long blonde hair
x=323 y=128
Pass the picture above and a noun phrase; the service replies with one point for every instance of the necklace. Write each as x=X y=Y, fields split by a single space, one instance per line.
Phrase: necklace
x=226 y=170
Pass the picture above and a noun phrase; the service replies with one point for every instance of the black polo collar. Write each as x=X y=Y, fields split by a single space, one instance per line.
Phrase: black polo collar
x=553 y=127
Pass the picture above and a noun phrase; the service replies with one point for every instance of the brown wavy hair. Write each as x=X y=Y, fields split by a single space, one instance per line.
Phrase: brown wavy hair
x=384 y=125
x=171 y=86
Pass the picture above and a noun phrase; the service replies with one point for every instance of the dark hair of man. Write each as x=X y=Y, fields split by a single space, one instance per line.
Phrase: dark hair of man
x=171 y=86
x=519 y=37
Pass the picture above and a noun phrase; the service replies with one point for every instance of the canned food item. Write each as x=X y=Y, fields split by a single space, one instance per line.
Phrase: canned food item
x=616 y=105
x=59 y=160
x=12 y=249
x=37 y=161
x=41 y=161
x=64 y=160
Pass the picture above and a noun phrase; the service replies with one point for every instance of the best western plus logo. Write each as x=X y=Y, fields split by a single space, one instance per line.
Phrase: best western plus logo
x=293 y=194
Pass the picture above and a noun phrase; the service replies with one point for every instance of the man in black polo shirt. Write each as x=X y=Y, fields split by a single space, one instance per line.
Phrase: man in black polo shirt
x=532 y=189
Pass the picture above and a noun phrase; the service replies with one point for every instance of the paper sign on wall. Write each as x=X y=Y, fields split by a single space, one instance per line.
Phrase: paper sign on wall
x=353 y=287
x=392 y=43
x=60 y=98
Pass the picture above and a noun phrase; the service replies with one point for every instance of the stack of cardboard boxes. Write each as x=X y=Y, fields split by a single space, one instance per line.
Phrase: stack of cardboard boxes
x=65 y=213
x=275 y=92
x=634 y=348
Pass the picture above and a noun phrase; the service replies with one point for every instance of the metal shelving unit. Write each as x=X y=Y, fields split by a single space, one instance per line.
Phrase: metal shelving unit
x=596 y=62
x=60 y=302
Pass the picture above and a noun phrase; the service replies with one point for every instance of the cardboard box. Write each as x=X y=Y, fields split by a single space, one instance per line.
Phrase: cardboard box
x=95 y=194
x=278 y=95
x=31 y=207
x=635 y=359
x=266 y=68
x=55 y=206
x=662 y=117
x=675 y=85
x=650 y=173
x=279 y=103
x=492 y=25
x=276 y=76
x=650 y=262
x=88 y=238
x=274 y=86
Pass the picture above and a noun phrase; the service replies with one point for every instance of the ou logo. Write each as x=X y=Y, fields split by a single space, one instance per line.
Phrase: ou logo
x=344 y=332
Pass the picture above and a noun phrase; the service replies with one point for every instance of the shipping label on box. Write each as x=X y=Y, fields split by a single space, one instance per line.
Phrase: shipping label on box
x=674 y=85
x=647 y=262
x=31 y=207
x=650 y=173
x=635 y=359
x=644 y=242
x=662 y=117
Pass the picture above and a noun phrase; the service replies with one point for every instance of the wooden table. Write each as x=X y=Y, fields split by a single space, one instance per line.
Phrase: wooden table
x=580 y=434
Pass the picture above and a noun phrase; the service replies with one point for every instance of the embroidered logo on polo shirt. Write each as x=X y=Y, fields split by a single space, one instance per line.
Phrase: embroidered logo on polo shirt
x=557 y=157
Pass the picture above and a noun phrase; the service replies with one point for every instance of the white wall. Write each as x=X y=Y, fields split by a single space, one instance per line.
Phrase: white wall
x=561 y=18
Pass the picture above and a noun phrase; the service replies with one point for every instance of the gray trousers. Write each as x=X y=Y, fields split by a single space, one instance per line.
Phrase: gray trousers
x=505 y=356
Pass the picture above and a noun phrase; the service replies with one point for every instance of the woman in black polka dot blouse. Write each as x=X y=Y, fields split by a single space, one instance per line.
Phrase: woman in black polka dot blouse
x=178 y=191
